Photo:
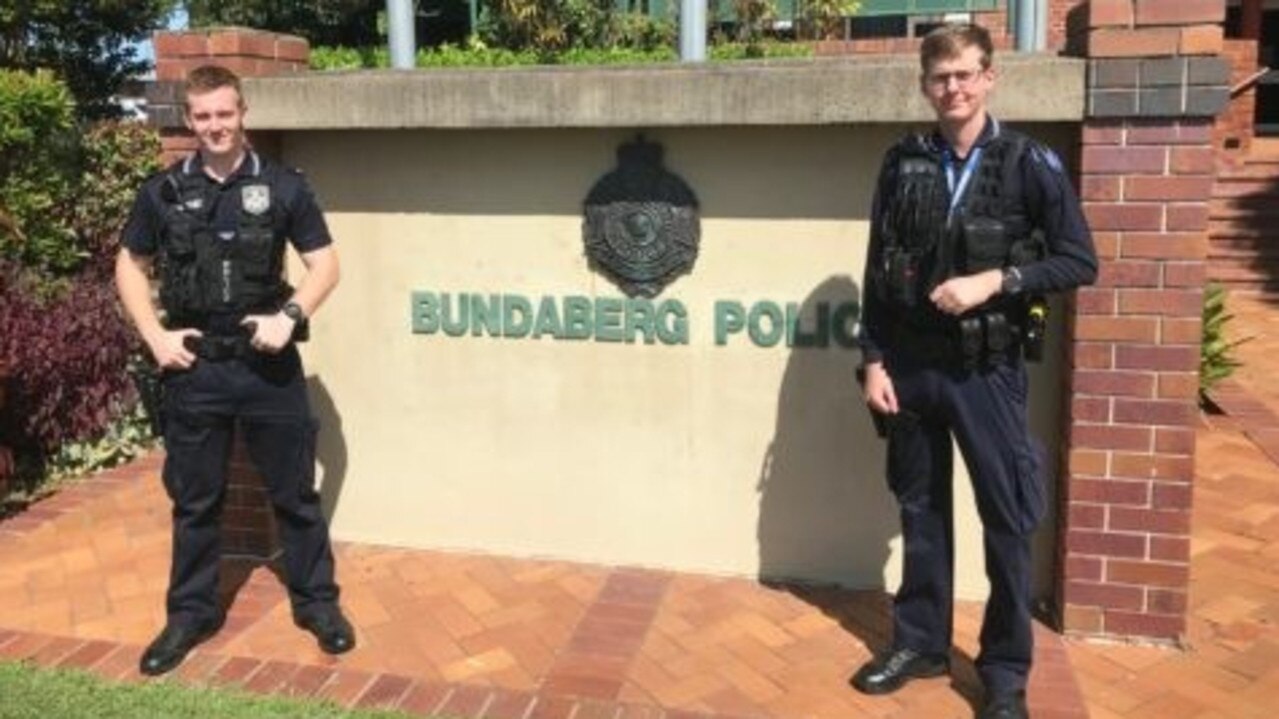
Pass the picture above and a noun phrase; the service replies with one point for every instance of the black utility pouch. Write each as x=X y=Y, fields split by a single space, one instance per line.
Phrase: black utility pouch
x=903 y=277
x=998 y=337
x=985 y=244
x=972 y=340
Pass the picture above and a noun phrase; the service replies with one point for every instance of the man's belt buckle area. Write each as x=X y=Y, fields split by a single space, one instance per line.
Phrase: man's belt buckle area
x=936 y=347
x=218 y=348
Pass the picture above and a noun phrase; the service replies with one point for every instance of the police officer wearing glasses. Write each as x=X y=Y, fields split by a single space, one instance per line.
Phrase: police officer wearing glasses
x=215 y=225
x=972 y=223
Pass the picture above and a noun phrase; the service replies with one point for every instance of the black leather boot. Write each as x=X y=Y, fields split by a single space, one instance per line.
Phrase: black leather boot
x=887 y=673
x=1011 y=705
x=330 y=628
x=172 y=646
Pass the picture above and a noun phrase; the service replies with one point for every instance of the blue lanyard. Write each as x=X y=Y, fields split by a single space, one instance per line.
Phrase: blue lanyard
x=958 y=188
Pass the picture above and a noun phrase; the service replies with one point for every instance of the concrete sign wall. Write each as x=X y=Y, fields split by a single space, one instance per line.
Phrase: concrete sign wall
x=712 y=454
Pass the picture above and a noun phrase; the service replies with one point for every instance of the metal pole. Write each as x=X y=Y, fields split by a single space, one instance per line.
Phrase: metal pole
x=1029 y=19
x=1041 y=25
x=1024 y=17
x=692 y=30
x=399 y=31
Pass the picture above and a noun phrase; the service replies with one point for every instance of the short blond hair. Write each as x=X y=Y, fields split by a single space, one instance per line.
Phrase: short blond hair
x=951 y=39
x=208 y=78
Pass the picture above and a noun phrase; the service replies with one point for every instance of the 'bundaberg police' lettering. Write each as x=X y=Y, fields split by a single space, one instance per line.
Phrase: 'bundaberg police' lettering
x=603 y=319
x=633 y=320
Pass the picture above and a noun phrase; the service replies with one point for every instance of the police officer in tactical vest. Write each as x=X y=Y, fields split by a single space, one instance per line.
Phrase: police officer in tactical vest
x=214 y=226
x=972 y=223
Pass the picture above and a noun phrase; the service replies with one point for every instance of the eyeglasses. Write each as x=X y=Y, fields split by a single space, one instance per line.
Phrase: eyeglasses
x=963 y=78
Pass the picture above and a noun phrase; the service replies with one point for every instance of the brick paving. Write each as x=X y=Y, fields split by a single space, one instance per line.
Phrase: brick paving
x=82 y=580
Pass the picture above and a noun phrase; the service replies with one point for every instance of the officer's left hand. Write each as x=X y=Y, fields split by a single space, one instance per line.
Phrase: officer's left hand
x=960 y=294
x=271 y=333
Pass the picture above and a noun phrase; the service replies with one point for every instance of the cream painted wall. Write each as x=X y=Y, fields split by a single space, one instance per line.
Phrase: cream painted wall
x=736 y=459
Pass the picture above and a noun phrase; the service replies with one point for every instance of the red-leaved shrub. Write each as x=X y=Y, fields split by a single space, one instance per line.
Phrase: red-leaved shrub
x=66 y=357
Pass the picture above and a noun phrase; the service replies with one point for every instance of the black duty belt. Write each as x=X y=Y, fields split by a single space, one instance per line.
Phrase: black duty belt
x=219 y=348
x=972 y=343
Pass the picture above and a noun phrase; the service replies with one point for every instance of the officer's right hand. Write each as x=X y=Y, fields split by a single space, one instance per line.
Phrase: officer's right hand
x=878 y=391
x=170 y=350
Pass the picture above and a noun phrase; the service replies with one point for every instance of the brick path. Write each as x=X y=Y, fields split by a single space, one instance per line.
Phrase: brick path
x=82 y=579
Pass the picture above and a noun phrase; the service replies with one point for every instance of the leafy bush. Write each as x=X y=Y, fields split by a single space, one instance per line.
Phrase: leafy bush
x=549 y=26
x=37 y=144
x=114 y=160
x=766 y=49
x=125 y=438
x=478 y=55
x=63 y=196
x=753 y=18
x=70 y=400
x=67 y=353
x=825 y=18
x=1217 y=359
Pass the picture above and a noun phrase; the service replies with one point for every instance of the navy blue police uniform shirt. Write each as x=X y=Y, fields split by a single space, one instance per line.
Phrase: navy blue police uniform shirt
x=297 y=215
x=1049 y=201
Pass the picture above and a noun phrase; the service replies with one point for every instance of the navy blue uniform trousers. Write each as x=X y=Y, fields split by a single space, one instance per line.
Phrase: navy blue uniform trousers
x=266 y=396
x=986 y=412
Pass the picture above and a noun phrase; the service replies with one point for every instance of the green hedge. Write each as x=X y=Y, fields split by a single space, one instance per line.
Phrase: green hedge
x=347 y=58
x=37 y=148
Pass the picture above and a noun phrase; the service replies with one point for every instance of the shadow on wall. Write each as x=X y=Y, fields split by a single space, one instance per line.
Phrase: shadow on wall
x=330 y=450
x=825 y=510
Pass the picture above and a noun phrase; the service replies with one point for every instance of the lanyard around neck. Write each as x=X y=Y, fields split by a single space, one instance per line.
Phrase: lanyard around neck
x=958 y=187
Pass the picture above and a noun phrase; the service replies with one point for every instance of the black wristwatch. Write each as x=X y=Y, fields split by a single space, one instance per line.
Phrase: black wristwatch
x=1011 y=282
x=293 y=311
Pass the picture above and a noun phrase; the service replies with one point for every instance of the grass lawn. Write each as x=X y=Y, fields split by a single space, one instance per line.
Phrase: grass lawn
x=27 y=692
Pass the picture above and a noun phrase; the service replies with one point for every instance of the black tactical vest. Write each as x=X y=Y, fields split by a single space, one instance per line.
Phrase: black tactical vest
x=202 y=274
x=924 y=244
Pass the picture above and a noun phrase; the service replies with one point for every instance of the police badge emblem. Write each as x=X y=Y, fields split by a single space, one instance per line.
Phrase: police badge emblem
x=255 y=199
x=641 y=226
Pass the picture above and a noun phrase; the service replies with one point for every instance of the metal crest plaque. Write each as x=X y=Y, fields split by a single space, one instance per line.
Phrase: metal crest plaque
x=641 y=227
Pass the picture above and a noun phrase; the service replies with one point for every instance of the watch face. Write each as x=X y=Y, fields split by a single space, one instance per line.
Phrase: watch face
x=293 y=311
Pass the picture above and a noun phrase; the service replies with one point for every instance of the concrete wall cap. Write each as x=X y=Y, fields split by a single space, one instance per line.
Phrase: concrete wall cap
x=815 y=91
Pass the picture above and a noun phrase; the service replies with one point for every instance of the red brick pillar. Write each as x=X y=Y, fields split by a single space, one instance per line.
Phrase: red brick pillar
x=249 y=53
x=1235 y=128
x=1155 y=82
x=248 y=525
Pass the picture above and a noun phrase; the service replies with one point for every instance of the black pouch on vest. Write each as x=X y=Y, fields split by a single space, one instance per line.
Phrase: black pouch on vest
x=903 y=277
x=985 y=244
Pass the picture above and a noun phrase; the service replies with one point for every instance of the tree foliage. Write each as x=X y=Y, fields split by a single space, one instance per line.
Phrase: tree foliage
x=322 y=22
x=825 y=18
x=89 y=44
x=37 y=147
x=553 y=26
